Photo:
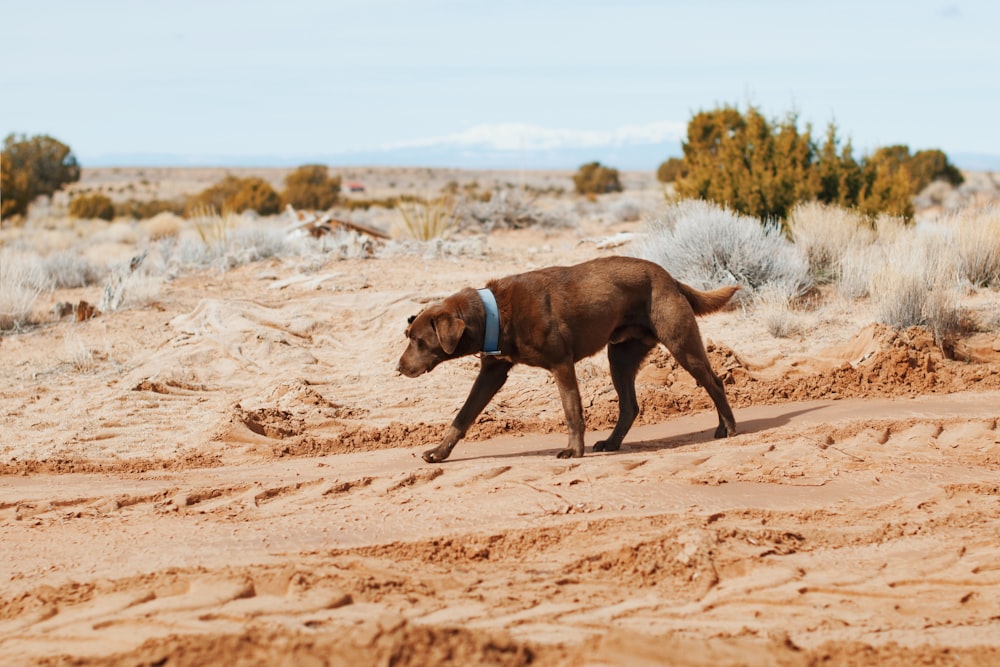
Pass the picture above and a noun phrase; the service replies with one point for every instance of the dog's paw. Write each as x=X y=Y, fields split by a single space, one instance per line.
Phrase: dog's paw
x=568 y=454
x=723 y=432
x=607 y=446
x=432 y=456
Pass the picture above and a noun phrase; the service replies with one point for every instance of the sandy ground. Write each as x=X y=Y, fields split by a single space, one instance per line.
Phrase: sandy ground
x=232 y=476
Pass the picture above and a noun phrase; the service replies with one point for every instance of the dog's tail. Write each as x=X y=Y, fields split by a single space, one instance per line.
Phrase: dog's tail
x=704 y=303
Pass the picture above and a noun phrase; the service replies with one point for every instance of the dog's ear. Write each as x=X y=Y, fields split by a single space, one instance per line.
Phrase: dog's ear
x=449 y=331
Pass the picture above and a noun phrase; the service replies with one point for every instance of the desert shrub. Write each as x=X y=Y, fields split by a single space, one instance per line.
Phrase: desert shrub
x=164 y=225
x=237 y=195
x=256 y=194
x=774 y=305
x=747 y=163
x=887 y=186
x=855 y=268
x=226 y=240
x=311 y=187
x=825 y=233
x=428 y=220
x=708 y=246
x=625 y=210
x=763 y=167
x=69 y=268
x=507 y=209
x=92 y=206
x=145 y=210
x=22 y=280
x=670 y=170
x=913 y=283
x=839 y=175
x=594 y=178
x=928 y=166
x=977 y=241
x=30 y=167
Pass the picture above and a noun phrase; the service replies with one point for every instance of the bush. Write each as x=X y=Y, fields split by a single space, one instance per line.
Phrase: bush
x=747 y=163
x=594 y=178
x=764 y=167
x=825 y=234
x=93 y=206
x=428 y=220
x=145 y=210
x=69 y=268
x=235 y=195
x=22 y=280
x=311 y=187
x=671 y=170
x=256 y=194
x=32 y=167
x=708 y=246
x=928 y=166
x=977 y=239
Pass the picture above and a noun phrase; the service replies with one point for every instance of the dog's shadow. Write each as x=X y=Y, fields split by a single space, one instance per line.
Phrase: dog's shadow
x=677 y=441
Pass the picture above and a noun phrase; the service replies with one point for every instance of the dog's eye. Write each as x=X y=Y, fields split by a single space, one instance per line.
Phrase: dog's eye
x=409 y=320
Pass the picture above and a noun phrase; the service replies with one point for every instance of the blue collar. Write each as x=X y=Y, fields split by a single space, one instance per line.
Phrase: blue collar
x=491 y=343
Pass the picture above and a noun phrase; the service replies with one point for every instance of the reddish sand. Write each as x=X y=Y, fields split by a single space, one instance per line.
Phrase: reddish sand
x=234 y=478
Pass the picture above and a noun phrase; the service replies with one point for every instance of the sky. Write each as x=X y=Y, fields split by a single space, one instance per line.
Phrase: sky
x=437 y=81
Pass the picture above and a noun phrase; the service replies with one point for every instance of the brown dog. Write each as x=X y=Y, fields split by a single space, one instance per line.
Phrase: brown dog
x=556 y=316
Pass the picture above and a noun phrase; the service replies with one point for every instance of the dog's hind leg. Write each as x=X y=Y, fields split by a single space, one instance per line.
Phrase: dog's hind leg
x=695 y=362
x=681 y=336
x=625 y=359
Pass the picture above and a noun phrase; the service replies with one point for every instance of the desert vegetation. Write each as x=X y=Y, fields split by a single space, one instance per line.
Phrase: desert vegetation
x=33 y=167
x=763 y=167
x=214 y=377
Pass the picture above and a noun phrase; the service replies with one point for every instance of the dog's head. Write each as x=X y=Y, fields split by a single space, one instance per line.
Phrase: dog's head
x=434 y=335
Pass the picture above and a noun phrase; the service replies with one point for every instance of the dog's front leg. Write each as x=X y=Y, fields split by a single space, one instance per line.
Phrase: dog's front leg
x=569 y=392
x=492 y=375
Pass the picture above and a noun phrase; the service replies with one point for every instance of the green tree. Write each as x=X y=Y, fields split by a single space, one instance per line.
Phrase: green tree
x=311 y=187
x=670 y=170
x=839 y=174
x=30 y=167
x=748 y=163
x=762 y=167
x=932 y=165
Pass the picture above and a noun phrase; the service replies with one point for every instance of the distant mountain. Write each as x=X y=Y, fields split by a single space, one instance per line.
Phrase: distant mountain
x=489 y=146
x=624 y=156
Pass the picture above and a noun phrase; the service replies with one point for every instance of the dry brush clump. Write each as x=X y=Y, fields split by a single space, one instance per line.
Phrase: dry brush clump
x=236 y=195
x=22 y=281
x=432 y=218
x=977 y=239
x=825 y=233
x=507 y=208
x=708 y=246
x=311 y=187
x=94 y=206
x=916 y=275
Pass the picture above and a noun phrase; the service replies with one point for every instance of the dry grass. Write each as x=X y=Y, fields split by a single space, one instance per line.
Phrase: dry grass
x=709 y=246
x=774 y=306
x=433 y=219
x=162 y=226
x=825 y=234
x=977 y=240
x=22 y=280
